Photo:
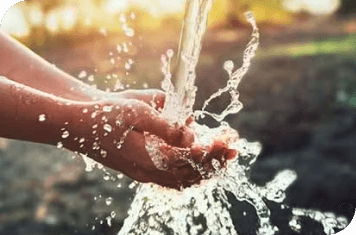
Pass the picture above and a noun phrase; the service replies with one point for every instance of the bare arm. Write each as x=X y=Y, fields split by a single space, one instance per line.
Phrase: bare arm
x=21 y=113
x=32 y=115
x=20 y=64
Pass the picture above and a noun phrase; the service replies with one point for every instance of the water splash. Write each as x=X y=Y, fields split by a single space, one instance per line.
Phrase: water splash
x=204 y=208
x=234 y=77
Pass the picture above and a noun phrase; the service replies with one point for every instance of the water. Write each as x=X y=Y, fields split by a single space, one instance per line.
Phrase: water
x=180 y=98
x=204 y=208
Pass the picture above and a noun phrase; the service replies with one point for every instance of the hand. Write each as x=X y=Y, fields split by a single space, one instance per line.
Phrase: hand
x=136 y=118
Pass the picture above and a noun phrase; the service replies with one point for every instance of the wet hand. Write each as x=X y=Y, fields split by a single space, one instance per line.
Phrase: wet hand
x=113 y=131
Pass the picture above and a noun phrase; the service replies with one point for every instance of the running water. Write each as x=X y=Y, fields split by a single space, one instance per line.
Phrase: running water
x=204 y=208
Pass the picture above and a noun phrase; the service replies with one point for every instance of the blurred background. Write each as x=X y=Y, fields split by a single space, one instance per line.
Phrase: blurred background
x=299 y=101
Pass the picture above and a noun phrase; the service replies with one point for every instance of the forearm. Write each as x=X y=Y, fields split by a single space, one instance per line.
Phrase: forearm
x=31 y=115
x=20 y=64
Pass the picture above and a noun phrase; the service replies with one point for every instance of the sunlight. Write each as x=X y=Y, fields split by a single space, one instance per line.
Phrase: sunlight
x=69 y=17
x=313 y=7
x=52 y=22
x=35 y=15
x=114 y=6
x=15 y=23
x=171 y=6
x=160 y=7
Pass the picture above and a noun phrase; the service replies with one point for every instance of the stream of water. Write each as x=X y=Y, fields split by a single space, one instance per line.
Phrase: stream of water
x=204 y=208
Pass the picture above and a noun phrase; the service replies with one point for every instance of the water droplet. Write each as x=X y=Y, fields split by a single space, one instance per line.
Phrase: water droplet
x=59 y=145
x=42 y=118
x=103 y=153
x=81 y=140
x=108 y=221
x=96 y=146
x=117 y=122
x=119 y=176
x=112 y=61
x=170 y=53
x=129 y=32
x=107 y=108
x=106 y=177
x=119 y=145
x=229 y=66
x=119 y=185
x=82 y=74
x=108 y=201
x=132 y=185
x=65 y=134
x=216 y=164
x=94 y=126
x=85 y=110
x=118 y=48
x=132 y=15
x=107 y=127
x=113 y=214
x=125 y=48
x=122 y=18
x=103 y=31
x=127 y=66
x=91 y=78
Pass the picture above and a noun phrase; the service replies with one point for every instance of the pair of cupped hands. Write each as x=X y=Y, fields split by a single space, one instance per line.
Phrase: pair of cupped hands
x=95 y=127
x=100 y=127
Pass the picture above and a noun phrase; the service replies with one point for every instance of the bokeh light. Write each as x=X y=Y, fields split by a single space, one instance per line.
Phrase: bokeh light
x=15 y=23
x=313 y=7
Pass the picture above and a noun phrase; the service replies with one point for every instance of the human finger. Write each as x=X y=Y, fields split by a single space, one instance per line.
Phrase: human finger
x=152 y=97
x=145 y=119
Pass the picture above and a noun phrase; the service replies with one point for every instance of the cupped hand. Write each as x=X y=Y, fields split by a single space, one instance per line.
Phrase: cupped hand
x=114 y=133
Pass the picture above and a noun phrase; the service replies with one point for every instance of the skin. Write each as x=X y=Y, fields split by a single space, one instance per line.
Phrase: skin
x=33 y=87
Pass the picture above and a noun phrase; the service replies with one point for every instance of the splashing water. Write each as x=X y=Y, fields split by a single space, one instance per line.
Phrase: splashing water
x=180 y=98
x=204 y=208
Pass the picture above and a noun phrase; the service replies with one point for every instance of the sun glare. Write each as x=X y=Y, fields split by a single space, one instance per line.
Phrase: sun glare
x=114 y=6
x=14 y=23
x=314 y=7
